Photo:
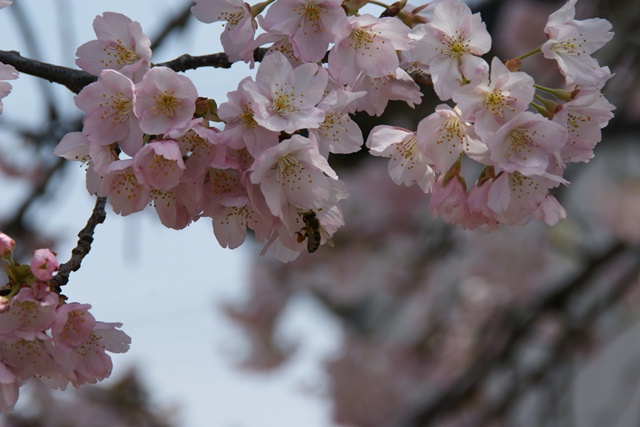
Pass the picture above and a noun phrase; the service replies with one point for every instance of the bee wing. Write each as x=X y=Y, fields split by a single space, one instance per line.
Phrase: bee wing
x=326 y=237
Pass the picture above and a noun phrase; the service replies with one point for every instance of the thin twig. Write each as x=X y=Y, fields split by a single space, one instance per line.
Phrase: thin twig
x=85 y=238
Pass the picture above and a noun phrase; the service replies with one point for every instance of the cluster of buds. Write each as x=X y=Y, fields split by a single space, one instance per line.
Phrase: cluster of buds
x=42 y=336
x=259 y=161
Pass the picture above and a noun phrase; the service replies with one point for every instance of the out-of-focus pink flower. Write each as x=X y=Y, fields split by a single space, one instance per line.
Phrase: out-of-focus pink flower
x=5 y=3
x=8 y=388
x=571 y=43
x=31 y=312
x=72 y=325
x=89 y=362
x=449 y=201
x=7 y=244
x=164 y=100
x=43 y=264
x=7 y=72
x=121 y=45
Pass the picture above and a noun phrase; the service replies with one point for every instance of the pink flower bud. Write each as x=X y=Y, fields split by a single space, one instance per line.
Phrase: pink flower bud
x=6 y=246
x=43 y=264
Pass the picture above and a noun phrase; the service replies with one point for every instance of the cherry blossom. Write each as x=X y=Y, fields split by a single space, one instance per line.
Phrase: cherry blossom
x=367 y=44
x=443 y=136
x=121 y=45
x=7 y=244
x=584 y=117
x=159 y=164
x=397 y=86
x=126 y=193
x=407 y=163
x=294 y=172
x=108 y=104
x=164 y=100
x=525 y=144
x=309 y=23
x=449 y=201
x=44 y=264
x=284 y=98
x=491 y=101
x=5 y=3
x=240 y=26
x=571 y=43
x=450 y=45
x=241 y=129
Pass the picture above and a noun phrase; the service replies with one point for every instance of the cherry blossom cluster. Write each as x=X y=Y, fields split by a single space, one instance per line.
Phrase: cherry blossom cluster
x=43 y=337
x=259 y=160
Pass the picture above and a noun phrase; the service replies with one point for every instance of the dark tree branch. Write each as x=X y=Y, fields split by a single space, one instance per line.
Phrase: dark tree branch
x=74 y=80
x=493 y=354
x=85 y=238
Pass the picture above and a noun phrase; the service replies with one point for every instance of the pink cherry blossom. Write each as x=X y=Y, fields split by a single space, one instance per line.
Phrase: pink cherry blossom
x=308 y=22
x=525 y=143
x=367 y=44
x=571 y=43
x=176 y=207
x=44 y=264
x=514 y=198
x=492 y=101
x=5 y=3
x=7 y=244
x=241 y=129
x=164 y=100
x=239 y=29
x=159 y=164
x=294 y=172
x=285 y=99
x=72 y=326
x=7 y=72
x=228 y=204
x=31 y=312
x=121 y=45
x=449 y=201
x=8 y=388
x=126 y=194
x=584 y=117
x=108 y=104
x=338 y=133
x=443 y=136
x=397 y=86
x=89 y=362
x=450 y=45
x=407 y=163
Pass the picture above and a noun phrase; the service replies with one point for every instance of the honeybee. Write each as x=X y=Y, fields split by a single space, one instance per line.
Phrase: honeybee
x=310 y=231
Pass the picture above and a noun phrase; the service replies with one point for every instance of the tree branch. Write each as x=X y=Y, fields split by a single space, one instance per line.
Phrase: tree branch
x=85 y=238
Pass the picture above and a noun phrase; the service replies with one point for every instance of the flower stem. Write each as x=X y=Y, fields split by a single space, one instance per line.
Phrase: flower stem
x=528 y=54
